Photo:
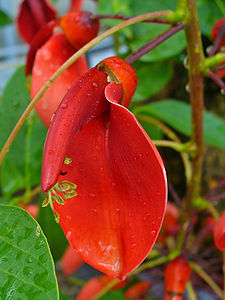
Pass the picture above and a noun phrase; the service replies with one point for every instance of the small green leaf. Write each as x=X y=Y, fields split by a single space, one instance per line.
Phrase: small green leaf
x=22 y=165
x=4 y=19
x=54 y=234
x=178 y=115
x=26 y=266
x=151 y=78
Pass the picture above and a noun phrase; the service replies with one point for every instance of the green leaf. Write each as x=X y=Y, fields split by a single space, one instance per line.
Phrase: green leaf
x=53 y=232
x=178 y=115
x=63 y=296
x=209 y=13
x=118 y=295
x=151 y=78
x=26 y=266
x=4 y=19
x=22 y=165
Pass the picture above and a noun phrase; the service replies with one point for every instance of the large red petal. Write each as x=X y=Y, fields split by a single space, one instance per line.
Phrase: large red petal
x=114 y=220
x=47 y=61
x=83 y=102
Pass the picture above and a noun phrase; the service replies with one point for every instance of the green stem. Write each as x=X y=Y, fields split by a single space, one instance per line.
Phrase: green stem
x=191 y=292
x=196 y=58
x=212 y=62
x=195 y=267
x=77 y=281
x=172 y=136
x=170 y=15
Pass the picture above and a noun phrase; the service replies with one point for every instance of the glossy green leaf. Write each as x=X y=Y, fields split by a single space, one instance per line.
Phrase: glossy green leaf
x=4 y=19
x=209 y=13
x=151 y=79
x=26 y=266
x=22 y=165
x=177 y=115
x=53 y=232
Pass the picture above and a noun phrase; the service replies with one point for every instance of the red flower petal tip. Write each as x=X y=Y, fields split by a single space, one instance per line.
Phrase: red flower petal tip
x=217 y=28
x=32 y=16
x=121 y=72
x=96 y=143
x=219 y=233
x=177 y=274
x=79 y=28
x=47 y=60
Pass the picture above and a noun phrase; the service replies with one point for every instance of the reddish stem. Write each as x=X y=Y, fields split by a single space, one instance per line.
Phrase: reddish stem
x=217 y=80
x=154 y=43
x=122 y=17
x=218 y=40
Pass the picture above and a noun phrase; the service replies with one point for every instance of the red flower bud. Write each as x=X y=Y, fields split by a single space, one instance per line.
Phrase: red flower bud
x=96 y=144
x=219 y=233
x=32 y=16
x=79 y=28
x=177 y=274
x=71 y=261
x=137 y=289
x=95 y=285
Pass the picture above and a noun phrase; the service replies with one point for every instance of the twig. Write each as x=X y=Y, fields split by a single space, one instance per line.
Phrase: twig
x=123 y=17
x=217 y=80
x=207 y=278
x=191 y=291
x=174 y=194
x=154 y=43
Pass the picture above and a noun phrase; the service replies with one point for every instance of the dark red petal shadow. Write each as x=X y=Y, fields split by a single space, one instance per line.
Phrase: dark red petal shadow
x=114 y=220
x=32 y=16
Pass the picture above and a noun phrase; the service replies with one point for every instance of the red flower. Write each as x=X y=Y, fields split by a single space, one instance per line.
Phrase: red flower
x=80 y=22
x=95 y=285
x=32 y=16
x=177 y=275
x=47 y=61
x=138 y=289
x=96 y=143
x=219 y=28
x=219 y=233
x=71 y=261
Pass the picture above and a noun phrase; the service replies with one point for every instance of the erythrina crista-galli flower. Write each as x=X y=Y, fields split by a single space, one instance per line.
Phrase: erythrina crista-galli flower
x=95 y=143
x=177 y=275
x=32 y=16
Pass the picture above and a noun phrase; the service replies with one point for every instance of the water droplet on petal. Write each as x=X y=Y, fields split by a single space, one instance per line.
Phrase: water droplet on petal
x=51 y=152
x=92 y=196
x=64 y=106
